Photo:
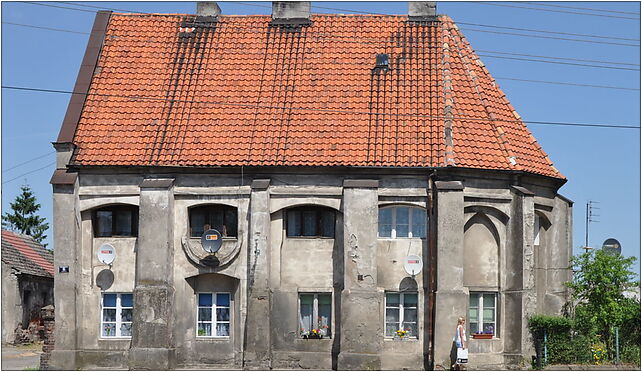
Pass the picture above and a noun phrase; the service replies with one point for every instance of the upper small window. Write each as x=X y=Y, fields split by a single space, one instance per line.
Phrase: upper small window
x=223 y=218
x=310 y=221
x=402 y=222
x=116 y=220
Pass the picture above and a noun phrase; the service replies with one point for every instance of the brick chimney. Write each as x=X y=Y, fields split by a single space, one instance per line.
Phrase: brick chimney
x=208 y=9
x=422 y=10
x=290 y=12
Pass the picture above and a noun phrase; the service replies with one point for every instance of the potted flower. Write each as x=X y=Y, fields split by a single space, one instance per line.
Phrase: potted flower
x=315 y=333
x=487 y=334
x=402 y=333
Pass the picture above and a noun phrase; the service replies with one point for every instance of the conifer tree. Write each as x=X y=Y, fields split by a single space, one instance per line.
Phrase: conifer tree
x=23 y=218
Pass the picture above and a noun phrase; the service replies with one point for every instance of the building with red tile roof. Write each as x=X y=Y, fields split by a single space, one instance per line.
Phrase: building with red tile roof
x=325 y=151
x=27 y=282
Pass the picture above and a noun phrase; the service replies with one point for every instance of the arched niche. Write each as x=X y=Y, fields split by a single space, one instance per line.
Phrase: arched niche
x=481 y=252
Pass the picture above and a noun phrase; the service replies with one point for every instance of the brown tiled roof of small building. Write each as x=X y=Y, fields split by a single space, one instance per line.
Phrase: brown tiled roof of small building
x=25 y=255
x=167 y=92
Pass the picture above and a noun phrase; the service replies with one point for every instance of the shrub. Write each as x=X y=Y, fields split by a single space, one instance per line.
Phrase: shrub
x=631 y=354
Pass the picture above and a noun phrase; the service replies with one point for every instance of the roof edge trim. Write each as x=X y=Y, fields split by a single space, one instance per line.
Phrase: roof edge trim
x=84 y=78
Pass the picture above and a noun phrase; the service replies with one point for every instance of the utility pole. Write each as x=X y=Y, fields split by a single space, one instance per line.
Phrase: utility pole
x=590 y=208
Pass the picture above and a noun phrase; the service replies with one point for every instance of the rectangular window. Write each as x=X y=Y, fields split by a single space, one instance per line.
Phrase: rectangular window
x=402 y=222
x=401 y=314
x=213 y=315
x=116 y=221
x=315 y=315
x=482 y=313
x=310 y=222
x=117 y=312
x=222 y=218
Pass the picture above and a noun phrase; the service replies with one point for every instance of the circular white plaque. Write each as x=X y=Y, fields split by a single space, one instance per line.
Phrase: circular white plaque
x=413 y=264
x=106 y=254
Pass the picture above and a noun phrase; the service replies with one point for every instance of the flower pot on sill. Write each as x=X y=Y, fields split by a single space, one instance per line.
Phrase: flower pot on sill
x=482 y=336
x=313 y=337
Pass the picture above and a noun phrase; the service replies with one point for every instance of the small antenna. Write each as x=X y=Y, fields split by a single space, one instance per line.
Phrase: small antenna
x=590 y=214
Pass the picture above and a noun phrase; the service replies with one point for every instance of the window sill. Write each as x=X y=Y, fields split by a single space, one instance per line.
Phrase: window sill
x=483 y=337
x=397 y=238
x=212 y=338
x=225 y=238
x=406 y=339
x=125 y=338
x=116 y=237
x=310 y=237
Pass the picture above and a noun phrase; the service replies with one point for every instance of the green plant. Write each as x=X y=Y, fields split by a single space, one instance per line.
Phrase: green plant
x=23 y=218
x=630 y=354
x=599 y=282
x=599 y=353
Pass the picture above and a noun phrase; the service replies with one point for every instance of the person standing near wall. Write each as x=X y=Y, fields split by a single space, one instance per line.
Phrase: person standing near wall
x=459 y=342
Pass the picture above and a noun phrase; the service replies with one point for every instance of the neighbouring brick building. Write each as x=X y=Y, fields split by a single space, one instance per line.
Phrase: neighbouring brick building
x=27 y=286
x=326 y=149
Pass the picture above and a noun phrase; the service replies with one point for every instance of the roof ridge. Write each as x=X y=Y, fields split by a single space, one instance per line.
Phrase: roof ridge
x=499 y=131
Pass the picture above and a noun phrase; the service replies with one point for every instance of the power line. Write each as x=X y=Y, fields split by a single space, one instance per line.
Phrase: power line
x=419 y=48
x=486 y=51
x=473 y=30
x=561 y=63
x=547 y=32
x=559 y=58
x=579 y=8
x=27 y=162
x=33 y=171
x=552 y=37
x=556 y=11
x=45 y=28
x=58 y=6
x=250 y=105
x=566 y=83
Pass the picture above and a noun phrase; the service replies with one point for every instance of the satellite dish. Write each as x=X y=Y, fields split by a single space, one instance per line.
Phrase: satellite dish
x=612 y=246
x=105 y=279
x=413 y=264
x=211 y=240
x=106 y=254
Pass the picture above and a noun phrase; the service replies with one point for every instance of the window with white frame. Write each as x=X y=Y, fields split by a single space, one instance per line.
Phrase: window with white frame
x=117 y=313
x=402 y=222
x=213 y=318
x=401 y=314
x=315 y=315
x=482 y=313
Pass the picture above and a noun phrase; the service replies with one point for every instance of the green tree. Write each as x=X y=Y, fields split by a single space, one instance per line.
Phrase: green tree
x=23 y=218
x=599 y=282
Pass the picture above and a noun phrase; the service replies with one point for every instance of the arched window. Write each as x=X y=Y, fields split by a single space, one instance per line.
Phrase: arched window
x=310 y=221
x=214 y=216
x=402 y=222
x=115 y=220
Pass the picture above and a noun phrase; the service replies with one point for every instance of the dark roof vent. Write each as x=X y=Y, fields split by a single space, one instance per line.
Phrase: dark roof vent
x=383 y=62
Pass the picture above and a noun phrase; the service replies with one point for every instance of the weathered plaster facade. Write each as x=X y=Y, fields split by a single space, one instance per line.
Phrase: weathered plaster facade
x=481 y=231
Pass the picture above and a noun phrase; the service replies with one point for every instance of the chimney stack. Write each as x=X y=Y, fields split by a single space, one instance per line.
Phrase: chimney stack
x=207 y=9
x=290 y=12
x=422 y=11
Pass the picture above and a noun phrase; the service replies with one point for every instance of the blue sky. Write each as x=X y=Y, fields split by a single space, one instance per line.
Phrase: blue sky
x=601 y=164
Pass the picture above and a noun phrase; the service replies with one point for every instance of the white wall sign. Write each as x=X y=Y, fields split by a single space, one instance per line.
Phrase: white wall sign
x=413 y=264
x=106 y=254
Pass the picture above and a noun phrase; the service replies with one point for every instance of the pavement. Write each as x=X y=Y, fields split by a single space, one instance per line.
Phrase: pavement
x=21 y=358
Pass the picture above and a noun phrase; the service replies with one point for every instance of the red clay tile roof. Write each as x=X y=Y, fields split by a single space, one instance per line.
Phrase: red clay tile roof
x=242 y=92
x=27 y=256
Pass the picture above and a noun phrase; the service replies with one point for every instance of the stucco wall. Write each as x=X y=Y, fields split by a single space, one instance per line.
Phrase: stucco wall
x=483 y=223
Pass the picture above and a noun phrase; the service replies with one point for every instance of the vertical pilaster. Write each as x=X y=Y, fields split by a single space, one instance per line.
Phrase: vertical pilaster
x=152 y=338
x=65 y=233
x=451 y=298
x=529 y=297
x=361 y=310
x=257 y=350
